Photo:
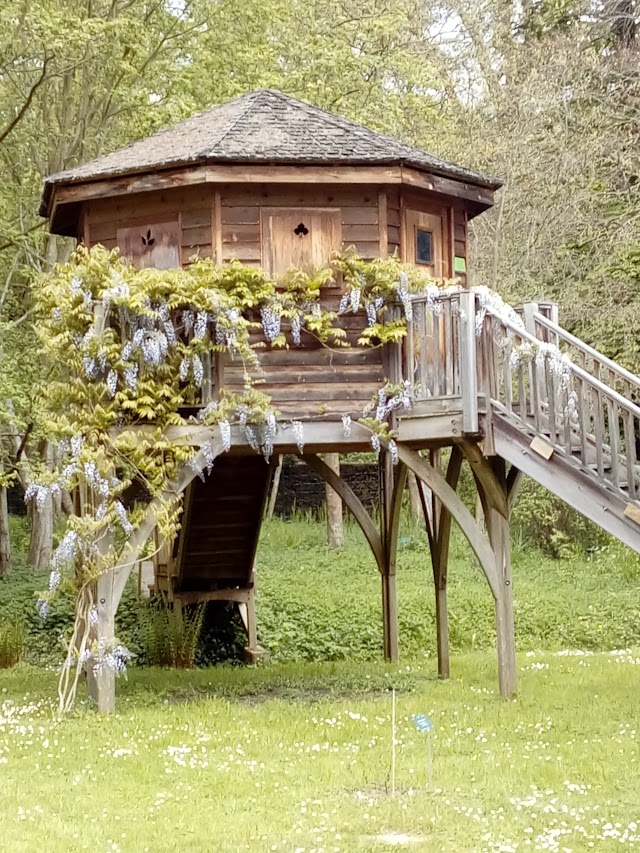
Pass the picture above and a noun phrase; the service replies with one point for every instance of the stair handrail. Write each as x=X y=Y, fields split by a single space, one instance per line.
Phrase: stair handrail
x=605 y=361
x=583 y=374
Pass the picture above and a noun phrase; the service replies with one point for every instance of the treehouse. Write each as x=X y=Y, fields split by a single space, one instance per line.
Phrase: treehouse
x=274 y=183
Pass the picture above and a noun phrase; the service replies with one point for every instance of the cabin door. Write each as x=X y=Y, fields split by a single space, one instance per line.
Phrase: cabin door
x=424 y=242
x=302 y=238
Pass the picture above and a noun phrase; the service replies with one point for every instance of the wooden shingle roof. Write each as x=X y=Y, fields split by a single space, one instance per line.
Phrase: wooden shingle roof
x=264 y=126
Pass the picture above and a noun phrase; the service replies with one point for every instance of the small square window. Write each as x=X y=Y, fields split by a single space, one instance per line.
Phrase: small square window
x=424 y=247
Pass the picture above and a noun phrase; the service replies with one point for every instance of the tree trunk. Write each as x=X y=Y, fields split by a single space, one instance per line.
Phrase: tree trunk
x=5 y=542
x=41 y=542
x=335 y=531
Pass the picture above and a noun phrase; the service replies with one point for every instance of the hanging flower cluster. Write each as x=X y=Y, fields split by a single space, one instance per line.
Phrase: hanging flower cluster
x=389 y=399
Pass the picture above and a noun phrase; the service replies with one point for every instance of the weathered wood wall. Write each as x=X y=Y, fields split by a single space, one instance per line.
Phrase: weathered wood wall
x=227 y=222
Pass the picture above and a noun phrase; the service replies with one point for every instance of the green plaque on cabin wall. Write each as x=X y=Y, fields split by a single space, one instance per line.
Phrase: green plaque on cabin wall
x=459 y=265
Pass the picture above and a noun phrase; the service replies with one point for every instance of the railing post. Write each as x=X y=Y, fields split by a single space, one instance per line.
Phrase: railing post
x=468 y=362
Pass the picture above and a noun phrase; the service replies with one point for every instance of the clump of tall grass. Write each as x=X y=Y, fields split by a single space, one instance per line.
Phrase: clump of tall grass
x=12 y=640
x=170 y=635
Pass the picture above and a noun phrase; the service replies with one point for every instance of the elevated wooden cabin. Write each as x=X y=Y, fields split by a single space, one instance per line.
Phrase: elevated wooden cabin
x=272 y=181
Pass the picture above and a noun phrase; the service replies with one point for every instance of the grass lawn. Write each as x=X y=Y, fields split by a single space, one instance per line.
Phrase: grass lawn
x=297 y=758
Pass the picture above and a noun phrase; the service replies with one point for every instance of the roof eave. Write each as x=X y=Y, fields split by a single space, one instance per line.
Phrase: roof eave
x=51 y=184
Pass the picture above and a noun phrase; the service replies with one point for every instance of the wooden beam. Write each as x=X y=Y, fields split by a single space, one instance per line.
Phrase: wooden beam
x=240 y=596
x=249 y=173
x=439 y=486
x=187 y=502
x=393 y=480
x=319 y=436
x=440 y=561
x=482 y=469
x=353 y=504
x=447 y=186
x=333 y=502
x=498 y=528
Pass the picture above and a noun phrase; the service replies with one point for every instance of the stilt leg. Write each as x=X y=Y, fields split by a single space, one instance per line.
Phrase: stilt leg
x=390 y=618
x=392 y=487
x=252 y=630
x=439 y=541
x=498 y=528
x=442 y=628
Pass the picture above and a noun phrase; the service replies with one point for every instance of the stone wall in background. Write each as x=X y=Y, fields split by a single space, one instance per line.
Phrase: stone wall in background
x=302 y=489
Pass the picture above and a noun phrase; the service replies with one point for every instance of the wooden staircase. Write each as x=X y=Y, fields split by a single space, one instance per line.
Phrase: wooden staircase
x=213 y=556
x=570 y=423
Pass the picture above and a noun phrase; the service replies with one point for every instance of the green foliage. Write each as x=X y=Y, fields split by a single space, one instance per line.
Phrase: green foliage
x=170 y=636
x=546 y=523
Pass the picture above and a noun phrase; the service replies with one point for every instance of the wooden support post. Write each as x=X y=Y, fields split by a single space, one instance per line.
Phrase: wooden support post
x=498 y=529
x=468 y=368
x=494 y=555
x=252 y=628
x=440 y=558
x=335 y=528
x=388 y=497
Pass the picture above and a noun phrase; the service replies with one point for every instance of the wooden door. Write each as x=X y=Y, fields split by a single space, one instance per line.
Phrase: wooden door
x=154 y=245
x=303 y=238
x=425 y=246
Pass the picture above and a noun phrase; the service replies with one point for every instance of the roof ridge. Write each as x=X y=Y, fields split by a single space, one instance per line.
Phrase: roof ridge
x=338 y=120
x=251 y=98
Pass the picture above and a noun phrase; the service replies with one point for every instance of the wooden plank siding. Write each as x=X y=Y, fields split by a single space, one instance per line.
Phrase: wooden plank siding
x=193 y=205
x=241 y=206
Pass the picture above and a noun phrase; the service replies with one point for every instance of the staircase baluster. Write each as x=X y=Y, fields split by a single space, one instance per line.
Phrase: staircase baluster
x=408 y=367
x=630 y=452
x=583 y=412
x=425 y=378
x=566 y=394
x=551 y=399
x=599 y=433
x=448 y=349
x=507 y=376
x=614 y=441
x=437 y=356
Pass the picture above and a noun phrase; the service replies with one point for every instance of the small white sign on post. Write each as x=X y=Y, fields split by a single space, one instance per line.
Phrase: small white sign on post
x=425 y=724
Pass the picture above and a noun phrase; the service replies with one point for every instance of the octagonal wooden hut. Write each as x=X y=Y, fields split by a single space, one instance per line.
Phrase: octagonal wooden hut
x=274 y=182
